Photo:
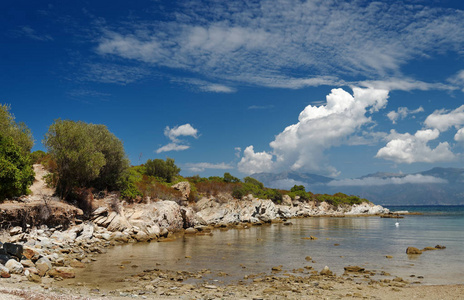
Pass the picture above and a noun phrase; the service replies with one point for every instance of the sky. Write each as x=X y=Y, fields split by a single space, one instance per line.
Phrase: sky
x=334 y=88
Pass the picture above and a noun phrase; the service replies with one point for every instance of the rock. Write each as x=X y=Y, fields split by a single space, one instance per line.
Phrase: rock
x=277 y=269
x=13 y=249
x=389 y=256
x=184 y=188
x=16 y=230
x=164 y=232
x=287 y=200
x=440 y=247
x=429 y=249
x=77 y=264
x=102 y=210
x=34 y=277
x=308 y=258
x=4 y=258
x=63 y=272
x=4 y=272
x=190 y=230
x=14 y=267
x=354 y=269
x=87 y=232
x=31 y=253
x=326 y=271
x=27 y=263
x=413 y=250
x=43 y=265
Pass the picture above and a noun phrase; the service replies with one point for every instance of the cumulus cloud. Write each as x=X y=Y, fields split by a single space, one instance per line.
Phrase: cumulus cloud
x=273 y=43
x=200 y=167
x=372 y=181
x=459 y=136
x=301 y=146
x=402 y=112
x=407 y=148
x=174 y=133
x=255 y=162
x=444 y=119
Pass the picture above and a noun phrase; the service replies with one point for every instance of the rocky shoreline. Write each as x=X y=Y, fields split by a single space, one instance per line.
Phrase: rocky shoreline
x=49 y=255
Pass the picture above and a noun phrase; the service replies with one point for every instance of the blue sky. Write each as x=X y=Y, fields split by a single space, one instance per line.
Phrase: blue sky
x=333 y=88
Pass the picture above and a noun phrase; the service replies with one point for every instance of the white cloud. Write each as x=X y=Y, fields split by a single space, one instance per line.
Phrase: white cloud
x=301 y=146
x=172 y=147
x=173 y=134
x=407 y=148
x=273 y=43
x=458 y=79
x=205 y=86
x=444 y=119
x=255 y=162
x=200 y=167
x=182 y=130
x=459 y=136
x=402 y=113
x=112 y=73
x=404 y=84
x=372 y=181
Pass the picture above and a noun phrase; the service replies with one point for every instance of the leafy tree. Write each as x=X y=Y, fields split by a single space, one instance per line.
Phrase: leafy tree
x=19 y=132
x=297 y=188
x=16 y=173
x=230 y=178
x=162 y=169
x=253 y=181
x=85 y=155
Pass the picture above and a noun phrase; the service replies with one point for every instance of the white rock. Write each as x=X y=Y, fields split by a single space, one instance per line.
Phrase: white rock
x=14 y=267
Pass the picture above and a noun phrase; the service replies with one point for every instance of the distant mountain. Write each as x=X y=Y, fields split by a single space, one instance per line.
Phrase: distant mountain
x=438 y=186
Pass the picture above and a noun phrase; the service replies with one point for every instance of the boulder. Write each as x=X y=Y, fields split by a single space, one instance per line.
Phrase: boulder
x=13 y=249
x=413 y=250
x=287 y=200
x=87 y=232
x=440 y=247
x=4 y=272
x=4 y=258
x=43 y=265
x=190 y=230
x=184 y=188
x=14 y=266
x=31 y=253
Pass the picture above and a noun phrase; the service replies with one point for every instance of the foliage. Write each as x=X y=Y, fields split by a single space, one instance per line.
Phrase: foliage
x=86 y=155
x=339 y=199
x=230 y=178
x=128 y=180
x=162 y=169
x=16 y=173
x=19 y=132
x=253 y=181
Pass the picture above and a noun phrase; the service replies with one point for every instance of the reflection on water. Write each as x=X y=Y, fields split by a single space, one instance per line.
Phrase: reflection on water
x=341 y=242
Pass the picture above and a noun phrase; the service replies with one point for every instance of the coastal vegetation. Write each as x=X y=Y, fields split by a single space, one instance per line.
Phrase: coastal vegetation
x=16 y=173
x=85 y=158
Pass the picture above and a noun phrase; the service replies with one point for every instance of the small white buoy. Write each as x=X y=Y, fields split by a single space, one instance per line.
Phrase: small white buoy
x=397 y=224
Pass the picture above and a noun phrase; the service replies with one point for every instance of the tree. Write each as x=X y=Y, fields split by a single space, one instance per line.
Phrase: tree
x=253 y=181
x=230 y=178
x=86 y=155
x=165 y=170
x=19 y=132
x=16 y=173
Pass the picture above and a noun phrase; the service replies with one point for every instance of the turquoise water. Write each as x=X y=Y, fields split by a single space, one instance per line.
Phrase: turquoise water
x=363 y=241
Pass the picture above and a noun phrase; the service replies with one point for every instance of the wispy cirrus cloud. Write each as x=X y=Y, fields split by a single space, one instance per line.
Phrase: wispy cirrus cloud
x=31 y=33
x=374 y=181
x=278 y=44
x=200 y=167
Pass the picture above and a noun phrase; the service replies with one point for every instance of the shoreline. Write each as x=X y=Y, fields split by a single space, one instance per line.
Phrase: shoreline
x=80 y=244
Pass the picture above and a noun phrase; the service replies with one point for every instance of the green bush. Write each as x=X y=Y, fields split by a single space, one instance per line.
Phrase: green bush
x=19 y=132
x=16 y=173
x=230 y=178
x=165 y=170
x=86 y=155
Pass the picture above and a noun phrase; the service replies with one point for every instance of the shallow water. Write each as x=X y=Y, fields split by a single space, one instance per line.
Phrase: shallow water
x=363 y=241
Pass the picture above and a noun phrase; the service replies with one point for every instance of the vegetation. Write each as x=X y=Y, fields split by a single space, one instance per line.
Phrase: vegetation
x=19 y=132
x=86 y=155
x=164 y=170
x=16 y=173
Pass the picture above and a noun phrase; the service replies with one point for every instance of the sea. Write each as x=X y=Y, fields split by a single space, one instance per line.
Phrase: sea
x=233 y=254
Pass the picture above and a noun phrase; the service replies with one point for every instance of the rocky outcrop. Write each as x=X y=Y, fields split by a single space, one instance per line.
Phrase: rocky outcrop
x=184 y=188
x=413 y=250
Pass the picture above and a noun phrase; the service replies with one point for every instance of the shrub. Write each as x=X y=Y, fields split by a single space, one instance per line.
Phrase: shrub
x=253 y=181
x=230 y=178
x=19 y=132
x=16 y=173
x=86 y=155
x=165 y=170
